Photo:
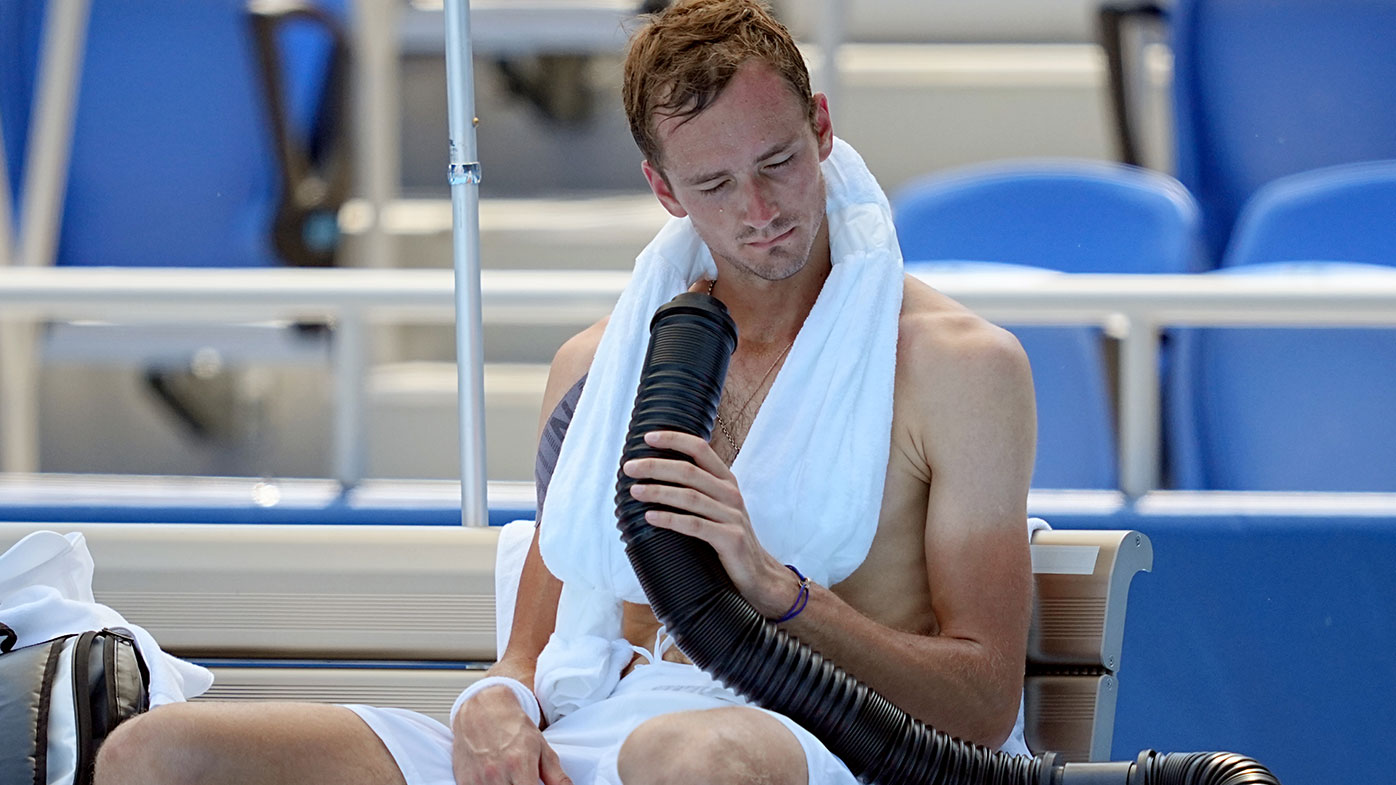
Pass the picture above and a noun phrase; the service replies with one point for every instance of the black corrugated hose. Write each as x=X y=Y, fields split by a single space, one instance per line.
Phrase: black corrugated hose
x=691 y=341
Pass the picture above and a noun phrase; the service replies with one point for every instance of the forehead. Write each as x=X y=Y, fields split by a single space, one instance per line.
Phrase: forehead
x=756 y=110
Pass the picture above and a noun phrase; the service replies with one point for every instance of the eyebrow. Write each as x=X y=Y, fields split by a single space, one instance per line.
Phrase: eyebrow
x=773 y=150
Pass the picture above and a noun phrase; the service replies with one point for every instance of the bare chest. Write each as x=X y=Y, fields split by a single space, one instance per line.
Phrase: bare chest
x=891 y=586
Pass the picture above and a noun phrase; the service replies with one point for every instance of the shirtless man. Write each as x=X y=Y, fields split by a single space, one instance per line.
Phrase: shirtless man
x=935 y=618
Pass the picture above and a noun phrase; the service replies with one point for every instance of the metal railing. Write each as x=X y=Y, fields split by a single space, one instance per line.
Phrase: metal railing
x=1131 y=308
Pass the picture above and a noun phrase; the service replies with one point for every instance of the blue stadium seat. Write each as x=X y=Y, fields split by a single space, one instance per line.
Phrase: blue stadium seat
x=174 y=162
x=1343 y=213
x=1268 y=88
x=1294 y=408
x=1023 y=218
x=1075 y=216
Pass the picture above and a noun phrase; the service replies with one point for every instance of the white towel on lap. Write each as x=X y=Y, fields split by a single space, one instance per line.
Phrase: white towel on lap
x=811 y=469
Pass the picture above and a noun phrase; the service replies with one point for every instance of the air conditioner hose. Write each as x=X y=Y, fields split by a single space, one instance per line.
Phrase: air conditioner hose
x=691 y=342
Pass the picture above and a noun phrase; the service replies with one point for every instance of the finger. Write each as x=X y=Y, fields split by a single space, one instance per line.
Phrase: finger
x=725 y=539
x=711 y=477
x=681 y=473
x=692 y=525
x=700 y=451
x=674 y=521
x=550 y=768
x=495 y=770
x=681 y=498
x=471 y=774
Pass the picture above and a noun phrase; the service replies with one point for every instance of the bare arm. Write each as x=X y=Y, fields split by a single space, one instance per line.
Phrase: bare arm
x=975 y=443
x=535 y=609
x=494 y=741
x=967 y=678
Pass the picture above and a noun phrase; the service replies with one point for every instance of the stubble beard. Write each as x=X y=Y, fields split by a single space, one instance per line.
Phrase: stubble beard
x=782 y=262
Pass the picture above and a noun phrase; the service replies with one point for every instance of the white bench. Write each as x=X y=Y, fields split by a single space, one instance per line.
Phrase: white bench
x=405 y=615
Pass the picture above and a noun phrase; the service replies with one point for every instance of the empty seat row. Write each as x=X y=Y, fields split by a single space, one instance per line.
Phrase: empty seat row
x=1245 y=409
x=1261 y=89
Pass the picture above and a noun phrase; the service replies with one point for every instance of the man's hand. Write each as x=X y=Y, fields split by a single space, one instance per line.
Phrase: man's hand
x=496 y=743
x=716 y=514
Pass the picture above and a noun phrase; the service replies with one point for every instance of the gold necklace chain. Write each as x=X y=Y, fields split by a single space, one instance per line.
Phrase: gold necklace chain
x=731 y=442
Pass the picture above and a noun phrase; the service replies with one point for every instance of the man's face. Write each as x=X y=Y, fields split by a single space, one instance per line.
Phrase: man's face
x=746 y=171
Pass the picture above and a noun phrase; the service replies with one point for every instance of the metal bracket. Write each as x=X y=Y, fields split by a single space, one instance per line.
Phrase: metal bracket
x=464 y=173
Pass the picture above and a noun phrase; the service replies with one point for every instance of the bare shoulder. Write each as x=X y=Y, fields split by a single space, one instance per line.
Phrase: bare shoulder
x=964 y=387
x=570 y=363
x=943 y=345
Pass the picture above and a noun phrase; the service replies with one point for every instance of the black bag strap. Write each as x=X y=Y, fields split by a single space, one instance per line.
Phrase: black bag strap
x=45 y=698
x=83 y=678
x=129 y=694
x=130 y=638
x=8 y=638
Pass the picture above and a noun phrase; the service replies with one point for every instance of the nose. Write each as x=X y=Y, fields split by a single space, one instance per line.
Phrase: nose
x=760 y=209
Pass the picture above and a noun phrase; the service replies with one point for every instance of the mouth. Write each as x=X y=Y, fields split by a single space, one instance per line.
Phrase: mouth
x=762 y=244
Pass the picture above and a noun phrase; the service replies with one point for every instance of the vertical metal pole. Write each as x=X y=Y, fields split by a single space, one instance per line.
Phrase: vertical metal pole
x=464 y=175
x=376 y=115
x=350 y=352
x=51 y=131
x=7 y=212
x=18 y=402
x=45 y=180
x=19 y=397
x=1139 y=408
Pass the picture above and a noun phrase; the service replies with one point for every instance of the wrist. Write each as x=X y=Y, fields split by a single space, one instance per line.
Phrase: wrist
x=794 y=596
x=527 y=701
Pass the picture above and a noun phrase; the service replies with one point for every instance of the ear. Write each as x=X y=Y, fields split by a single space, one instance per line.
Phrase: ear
x=662 y=191
x=823 y=125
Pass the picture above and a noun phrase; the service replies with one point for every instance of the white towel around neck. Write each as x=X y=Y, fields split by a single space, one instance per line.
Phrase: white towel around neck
x=813 y=464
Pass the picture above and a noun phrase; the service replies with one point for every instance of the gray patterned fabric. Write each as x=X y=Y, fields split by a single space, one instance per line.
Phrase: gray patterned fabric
x=550 y=445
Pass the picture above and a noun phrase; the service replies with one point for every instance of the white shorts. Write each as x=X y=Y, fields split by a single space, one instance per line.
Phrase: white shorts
x=588 y=740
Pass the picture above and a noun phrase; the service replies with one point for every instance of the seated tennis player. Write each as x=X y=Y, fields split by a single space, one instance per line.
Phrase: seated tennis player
x=865 y=486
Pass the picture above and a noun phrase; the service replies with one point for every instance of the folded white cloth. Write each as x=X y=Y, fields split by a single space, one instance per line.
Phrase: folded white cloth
x=46 y=591
x=811 y=469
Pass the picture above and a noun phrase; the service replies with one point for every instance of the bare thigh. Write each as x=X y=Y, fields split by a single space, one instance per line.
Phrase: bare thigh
x=248 y=743
x=713 y=746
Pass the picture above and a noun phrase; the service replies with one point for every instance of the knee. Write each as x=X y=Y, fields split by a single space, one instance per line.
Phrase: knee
x=160 y=747
x=656 y=751
x=716 y=747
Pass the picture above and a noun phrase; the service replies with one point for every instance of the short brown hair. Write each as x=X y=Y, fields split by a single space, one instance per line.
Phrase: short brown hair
x=686 y=55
